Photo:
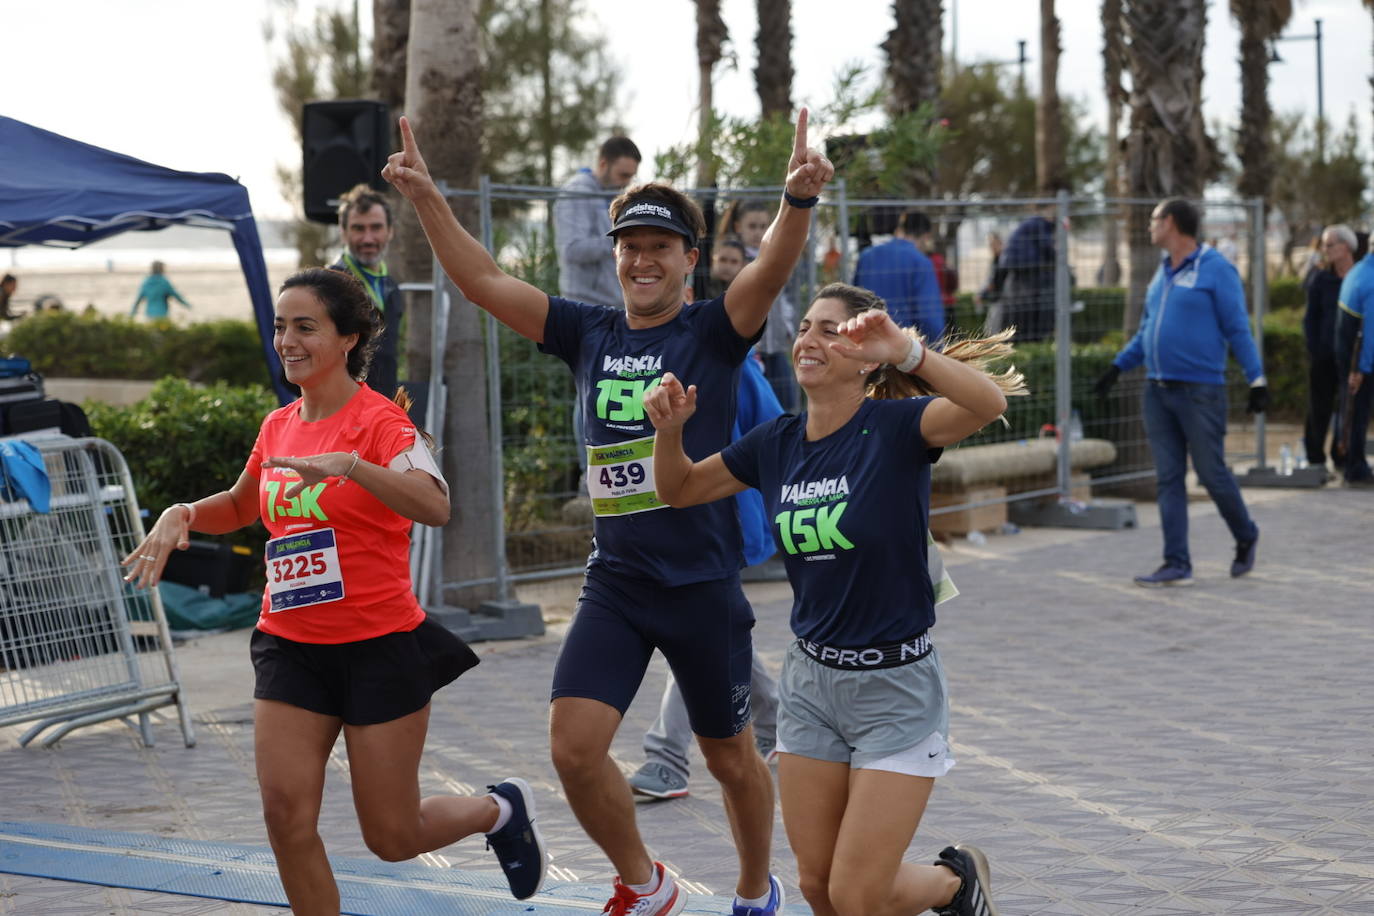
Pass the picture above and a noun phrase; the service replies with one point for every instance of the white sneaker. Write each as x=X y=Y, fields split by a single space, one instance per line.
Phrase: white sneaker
x=668 y=900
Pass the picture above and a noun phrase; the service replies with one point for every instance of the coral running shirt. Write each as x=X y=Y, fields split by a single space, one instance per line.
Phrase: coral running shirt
x=338 y=562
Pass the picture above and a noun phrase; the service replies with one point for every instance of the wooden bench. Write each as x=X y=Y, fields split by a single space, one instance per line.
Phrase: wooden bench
x=991 y=473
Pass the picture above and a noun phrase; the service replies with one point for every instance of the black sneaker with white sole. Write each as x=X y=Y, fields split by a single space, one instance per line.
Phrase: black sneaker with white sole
x=973 y=897
x=517 y=845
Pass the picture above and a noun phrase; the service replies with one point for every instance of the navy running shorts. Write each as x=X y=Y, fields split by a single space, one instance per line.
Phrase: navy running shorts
x=704 y=630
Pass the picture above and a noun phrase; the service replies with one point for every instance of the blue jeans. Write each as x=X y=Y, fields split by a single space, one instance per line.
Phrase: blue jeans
x=1183 y=418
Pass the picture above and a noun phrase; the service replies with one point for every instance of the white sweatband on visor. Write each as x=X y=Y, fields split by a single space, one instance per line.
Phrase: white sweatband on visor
x=914 y=357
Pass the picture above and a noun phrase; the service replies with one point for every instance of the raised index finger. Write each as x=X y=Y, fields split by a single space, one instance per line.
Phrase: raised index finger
x=407 y=138
x=799 y=140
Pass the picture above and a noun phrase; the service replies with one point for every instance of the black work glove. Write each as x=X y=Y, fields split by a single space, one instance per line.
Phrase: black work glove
x=1108 y=379
x=1259 y=399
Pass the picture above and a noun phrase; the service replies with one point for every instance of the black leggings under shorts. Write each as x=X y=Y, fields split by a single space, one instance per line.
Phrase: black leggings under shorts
x=704 y=630
x=364 y=682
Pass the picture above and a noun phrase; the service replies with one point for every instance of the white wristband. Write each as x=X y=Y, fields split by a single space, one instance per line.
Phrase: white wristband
x=914 y=358
x=190 y=513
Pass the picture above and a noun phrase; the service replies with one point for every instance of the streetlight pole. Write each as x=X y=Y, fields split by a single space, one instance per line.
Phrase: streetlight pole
x=1321 y=113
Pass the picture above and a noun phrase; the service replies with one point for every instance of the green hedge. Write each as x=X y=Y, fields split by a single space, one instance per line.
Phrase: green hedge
x=183 y=442
x=72 y=345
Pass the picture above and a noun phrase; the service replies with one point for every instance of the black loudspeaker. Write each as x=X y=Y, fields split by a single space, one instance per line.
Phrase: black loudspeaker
x=344 y=143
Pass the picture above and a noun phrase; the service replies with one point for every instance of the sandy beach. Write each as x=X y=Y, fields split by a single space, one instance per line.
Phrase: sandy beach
x=215 y=291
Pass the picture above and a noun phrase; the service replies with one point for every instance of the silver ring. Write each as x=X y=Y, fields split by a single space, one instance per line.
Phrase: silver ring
x=144 y=556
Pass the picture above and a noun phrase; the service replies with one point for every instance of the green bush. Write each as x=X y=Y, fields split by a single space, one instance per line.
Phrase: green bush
x=72 y=345
x=1285 y=364
x=183 y=442
x=1286 y=293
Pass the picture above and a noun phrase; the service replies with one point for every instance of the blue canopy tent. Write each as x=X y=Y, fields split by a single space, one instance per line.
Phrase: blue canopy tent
x=60 y=192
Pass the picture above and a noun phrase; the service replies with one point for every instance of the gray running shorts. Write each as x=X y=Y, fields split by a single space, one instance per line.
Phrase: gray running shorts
x=863 y=717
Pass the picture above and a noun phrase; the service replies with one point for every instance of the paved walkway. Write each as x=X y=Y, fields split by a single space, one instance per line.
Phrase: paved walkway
x=1198 y=751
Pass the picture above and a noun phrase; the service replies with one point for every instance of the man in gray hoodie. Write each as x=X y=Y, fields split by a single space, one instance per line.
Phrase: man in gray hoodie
x=586 y=262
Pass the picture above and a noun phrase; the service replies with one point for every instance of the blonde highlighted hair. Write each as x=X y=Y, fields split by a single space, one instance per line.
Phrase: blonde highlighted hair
x=887 y=383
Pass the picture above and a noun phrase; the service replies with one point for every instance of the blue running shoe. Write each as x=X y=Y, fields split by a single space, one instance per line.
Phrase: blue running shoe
x=1245 y=557
x=1166 y=575
x=771 y=908
x=517 y=845
x=972 y=898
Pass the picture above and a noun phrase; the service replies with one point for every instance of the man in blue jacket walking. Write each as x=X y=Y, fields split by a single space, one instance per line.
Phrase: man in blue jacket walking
x=1194 y=309
x=1355 y=349
x=899 y=271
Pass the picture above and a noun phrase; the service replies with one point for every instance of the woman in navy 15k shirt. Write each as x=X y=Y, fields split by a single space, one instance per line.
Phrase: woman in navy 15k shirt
x=864 y=714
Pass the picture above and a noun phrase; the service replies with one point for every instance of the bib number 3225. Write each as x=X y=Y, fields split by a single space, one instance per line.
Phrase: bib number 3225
x=303 y=570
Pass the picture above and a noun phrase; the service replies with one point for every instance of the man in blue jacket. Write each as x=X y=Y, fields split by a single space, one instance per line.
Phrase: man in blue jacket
x=1194 y=309
x=900 y=272
x=1355 y=351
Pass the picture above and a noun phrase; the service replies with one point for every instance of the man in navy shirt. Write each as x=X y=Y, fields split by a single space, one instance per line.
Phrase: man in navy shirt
x=658 y=578
x=899 y=271
x=367 y=229
x=1194 y=310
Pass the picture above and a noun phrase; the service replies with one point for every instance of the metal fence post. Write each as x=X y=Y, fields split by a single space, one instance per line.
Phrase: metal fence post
x=1259 y=293
x=431 y=591
x=1063 y=377
x=493 y=351
x=842 y=227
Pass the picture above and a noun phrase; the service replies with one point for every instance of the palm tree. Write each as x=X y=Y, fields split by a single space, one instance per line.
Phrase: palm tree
x=390 y=38
x=914 y=50
x=914 y=54
x=1370 y=4
x=773 y=75
x=1168 y=152
x=711 y=37
x=1260 y=21
x=1113 y=62
x=444 y=105
x=1050 y=174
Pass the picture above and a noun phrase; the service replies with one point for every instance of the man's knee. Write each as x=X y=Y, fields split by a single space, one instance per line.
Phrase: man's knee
x=733 y=760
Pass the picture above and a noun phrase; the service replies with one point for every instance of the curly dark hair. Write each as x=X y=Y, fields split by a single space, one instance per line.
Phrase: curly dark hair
x=349 y=306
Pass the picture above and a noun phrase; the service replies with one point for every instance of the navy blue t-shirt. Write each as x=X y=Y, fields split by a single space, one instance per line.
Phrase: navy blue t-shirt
x=613 y=364
x=849 y=516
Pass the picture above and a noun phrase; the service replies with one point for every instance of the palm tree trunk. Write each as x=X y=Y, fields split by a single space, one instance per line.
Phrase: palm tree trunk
x=444 y=105
x=1112 y=62
x=1259 y=21
x=1050 y=174
x=914 y=50
x=773 y=75
x=390 y=39
x=1168 y=152
x=711 y=37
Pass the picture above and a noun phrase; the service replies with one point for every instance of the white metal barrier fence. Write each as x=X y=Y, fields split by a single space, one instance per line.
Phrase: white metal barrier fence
x=78 y=645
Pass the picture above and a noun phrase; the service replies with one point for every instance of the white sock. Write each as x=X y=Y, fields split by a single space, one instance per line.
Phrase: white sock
x=756 y=902
x=503 y=815
x=652 y=886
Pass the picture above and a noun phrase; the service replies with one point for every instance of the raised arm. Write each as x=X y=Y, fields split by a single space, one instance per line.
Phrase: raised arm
x=969 y=399
x=412 y=494
x=220 y=513
x=680 y=481
x=513 y=302
x=752 y=293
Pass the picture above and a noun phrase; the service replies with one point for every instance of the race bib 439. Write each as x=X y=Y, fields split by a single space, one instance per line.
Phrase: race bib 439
x=620 y=477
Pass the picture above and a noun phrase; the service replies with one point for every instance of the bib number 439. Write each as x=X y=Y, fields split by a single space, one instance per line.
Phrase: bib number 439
x=622 y=475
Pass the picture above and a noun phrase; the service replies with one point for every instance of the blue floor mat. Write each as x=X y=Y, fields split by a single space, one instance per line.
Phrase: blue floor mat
x=248 y=874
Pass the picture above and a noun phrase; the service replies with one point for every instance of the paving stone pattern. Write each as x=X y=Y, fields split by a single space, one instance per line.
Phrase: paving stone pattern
x=1121 y=750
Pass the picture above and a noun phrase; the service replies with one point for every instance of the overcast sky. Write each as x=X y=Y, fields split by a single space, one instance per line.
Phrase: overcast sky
x=186 y=83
